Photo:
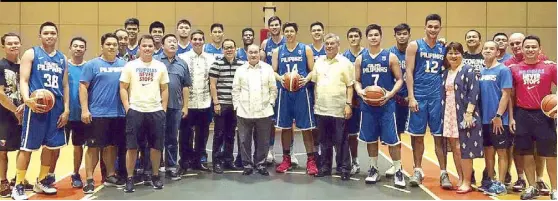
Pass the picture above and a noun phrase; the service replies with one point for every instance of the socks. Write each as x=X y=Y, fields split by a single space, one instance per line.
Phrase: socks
x=374 y=162
x=442 y=172
x=521 y=176
x=539 y=179
x=287 y=152
x=397 y=165
x=44 y=172
x=420 y=170
x=20 y=176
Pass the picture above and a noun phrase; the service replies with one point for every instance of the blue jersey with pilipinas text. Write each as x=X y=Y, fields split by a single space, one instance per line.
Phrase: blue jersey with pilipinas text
x=211 y=49
x=375 y=71
x=401 y=58
x=270 y=46
x=291 y=60
x=318 y=53
x=104 y=85
x=47 y=72
x=428 y=70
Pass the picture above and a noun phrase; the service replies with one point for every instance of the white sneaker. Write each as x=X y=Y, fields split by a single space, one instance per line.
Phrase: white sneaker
x=294 y=161
x=44 y=188
x=391 y=171
x=270 y=159
x=399 y=179
x=355 y=169
x=18 y=193
x=373 y=176
x=162 y=169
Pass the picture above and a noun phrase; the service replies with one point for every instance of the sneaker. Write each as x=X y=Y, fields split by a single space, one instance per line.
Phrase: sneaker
x=76 y=181
x=519 y=185
x=270 y=159
x=157 y=182
x=137 y=179
x=173 y=175
x=50 y=179
x=18 y=192
x=390 y=172
x=113 y=182
x=355 y=169
x=294 y=161
x=496 y=189
x=399 y=179
x=445 y=182
x=543 y=188
x=416 y=179
x=44 y=187
x=89 y=187
x=203 y=159
x=147 y=180
x=311 y=167
x=507 y=180
x=26 y=185
x=5 y=190
x=485 y=185
x=285 y=165
x=530 y=193
x=162 y=169
x=129 y=188
x=373 y=176
x=553 y=195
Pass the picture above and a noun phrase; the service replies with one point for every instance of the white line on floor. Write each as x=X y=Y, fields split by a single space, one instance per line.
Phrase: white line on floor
x=392 y=187
x=290 y=172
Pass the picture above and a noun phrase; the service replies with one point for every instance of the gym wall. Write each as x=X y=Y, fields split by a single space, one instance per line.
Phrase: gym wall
x=91 y=19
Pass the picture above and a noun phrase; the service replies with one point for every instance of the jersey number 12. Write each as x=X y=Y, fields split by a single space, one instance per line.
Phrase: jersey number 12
x=431 y=66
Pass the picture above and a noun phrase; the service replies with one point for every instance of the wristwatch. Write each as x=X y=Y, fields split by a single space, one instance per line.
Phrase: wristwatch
x=498 y=115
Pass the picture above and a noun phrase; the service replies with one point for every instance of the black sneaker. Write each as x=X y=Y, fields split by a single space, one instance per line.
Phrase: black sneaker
x=173 y=175
x=26 y=185
x=138 y=179
x=507 y=180
x=157 y=182
x=129 y=188
x=147 y=180
x=530 y=193
x=543 y=188
x=76 y=181
x=89 y=187
x=113 y=181
x=519 y=185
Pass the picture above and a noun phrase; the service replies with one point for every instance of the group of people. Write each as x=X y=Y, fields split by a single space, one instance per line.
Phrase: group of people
x=146 y=102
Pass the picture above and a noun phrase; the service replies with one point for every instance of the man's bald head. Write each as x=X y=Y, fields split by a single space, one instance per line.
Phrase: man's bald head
x=516 y=41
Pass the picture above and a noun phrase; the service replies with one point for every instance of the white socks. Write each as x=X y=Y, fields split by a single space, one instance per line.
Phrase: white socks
x=397 y=165
x=374 y=162
x=442 y=172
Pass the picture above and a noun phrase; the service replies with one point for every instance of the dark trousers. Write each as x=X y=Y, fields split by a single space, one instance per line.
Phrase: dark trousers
x=174 y=117
x=223 y=138
x=332 y=135
x=189 y=152
x=261 y=139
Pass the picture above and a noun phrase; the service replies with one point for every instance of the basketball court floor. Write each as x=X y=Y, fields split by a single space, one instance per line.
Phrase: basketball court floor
x=232 y=185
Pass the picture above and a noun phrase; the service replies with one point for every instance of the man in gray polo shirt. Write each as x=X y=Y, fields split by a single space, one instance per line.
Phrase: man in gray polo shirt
x=179 y=78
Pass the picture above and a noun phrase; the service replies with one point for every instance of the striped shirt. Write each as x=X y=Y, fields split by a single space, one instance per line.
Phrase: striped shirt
x=223 y=71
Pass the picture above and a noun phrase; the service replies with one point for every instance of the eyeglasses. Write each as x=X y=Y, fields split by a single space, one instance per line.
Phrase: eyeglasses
x=228 y=47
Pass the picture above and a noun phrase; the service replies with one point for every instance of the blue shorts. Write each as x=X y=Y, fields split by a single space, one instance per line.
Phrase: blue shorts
x=430 y=111
x=41 y=129
x=352 y=126
x=379 y=125
x=401 y=117
x=295 y=106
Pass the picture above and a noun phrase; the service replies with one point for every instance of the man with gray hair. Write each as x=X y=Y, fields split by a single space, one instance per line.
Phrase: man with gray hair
x=333 y=75
x=254 y=92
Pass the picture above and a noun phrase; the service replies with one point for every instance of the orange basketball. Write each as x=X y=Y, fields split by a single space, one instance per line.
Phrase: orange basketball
x=291 y=81
x=44 y=97
x=548 y=104
x=374 y=92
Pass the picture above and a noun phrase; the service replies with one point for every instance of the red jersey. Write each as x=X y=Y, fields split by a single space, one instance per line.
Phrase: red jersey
x=532 y=82
x=515 y=60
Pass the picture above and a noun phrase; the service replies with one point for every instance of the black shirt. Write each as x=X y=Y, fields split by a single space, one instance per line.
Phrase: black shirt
x=474 y=60
x=9 y=78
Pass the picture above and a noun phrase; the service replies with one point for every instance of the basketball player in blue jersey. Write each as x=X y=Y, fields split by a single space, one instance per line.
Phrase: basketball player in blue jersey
x=131 y=25
x=214 y=48
x=247 y=39
x=183 y=28
x=268 y=45
x=379 y=67
x=424 y=62
x=42 y=67
x=317 y=33
x=352 y=126
x=402 y=35
x=157 y=30
x=294 y=106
